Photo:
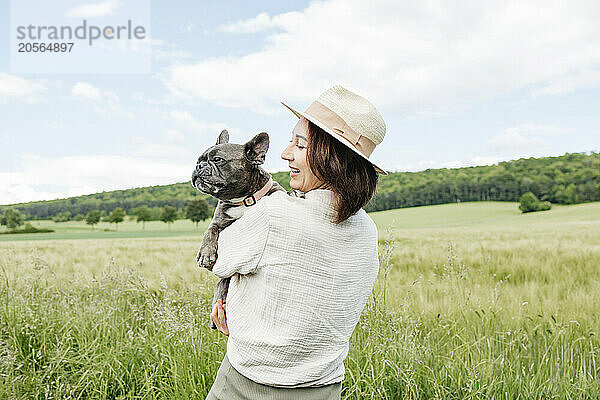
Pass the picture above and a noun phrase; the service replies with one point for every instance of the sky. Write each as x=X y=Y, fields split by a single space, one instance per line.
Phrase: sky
x=457 y=83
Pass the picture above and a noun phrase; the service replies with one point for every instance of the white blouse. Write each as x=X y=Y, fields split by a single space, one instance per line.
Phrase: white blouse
x=299 y=284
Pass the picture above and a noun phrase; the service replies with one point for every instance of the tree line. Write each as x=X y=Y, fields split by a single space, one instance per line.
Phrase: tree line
x=568 y=179
x=196 y=210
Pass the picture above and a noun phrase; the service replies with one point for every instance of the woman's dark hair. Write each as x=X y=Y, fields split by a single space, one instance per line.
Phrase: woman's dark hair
x=351 y=178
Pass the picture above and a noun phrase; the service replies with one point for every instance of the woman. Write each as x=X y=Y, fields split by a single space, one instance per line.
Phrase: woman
x=303 y=268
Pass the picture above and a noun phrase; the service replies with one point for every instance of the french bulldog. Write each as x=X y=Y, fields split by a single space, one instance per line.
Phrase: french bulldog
x=231 y=173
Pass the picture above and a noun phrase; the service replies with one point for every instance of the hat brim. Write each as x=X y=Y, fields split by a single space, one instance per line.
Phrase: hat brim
x=335 y=135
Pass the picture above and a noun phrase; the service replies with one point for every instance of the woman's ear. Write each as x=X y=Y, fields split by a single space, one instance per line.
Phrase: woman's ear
x=256 y=149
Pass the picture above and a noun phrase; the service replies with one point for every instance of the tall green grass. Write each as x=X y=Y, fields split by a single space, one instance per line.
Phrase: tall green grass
x=461 y=333
x=480 y=311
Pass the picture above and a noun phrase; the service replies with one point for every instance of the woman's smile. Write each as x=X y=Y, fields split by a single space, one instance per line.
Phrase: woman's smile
x=294 y=172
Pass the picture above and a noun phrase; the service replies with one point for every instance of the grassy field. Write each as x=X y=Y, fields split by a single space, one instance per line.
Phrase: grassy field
x=104 y=230
x=473 y=301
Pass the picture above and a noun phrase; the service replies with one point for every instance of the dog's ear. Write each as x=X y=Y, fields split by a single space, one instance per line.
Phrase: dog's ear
x=256 y=149
x=223 y=137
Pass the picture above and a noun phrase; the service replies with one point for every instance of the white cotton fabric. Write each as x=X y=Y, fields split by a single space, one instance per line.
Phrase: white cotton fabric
x=299 y=284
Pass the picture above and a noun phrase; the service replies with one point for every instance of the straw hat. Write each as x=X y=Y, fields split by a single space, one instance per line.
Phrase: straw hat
x=349 y=118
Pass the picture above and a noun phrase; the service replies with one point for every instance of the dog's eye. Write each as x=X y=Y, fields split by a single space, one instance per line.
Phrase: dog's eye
x=217 y=159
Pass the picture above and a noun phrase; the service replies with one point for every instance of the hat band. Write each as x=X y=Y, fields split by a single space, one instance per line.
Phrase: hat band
x=334 y=122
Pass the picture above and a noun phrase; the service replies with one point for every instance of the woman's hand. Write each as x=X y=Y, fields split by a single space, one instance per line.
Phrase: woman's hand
x=218 y=316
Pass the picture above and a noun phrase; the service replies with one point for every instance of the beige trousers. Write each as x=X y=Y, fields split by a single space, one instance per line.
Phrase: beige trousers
x=231 y=385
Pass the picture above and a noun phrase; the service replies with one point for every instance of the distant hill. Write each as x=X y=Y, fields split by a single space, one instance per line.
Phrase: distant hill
x=568 y=179
x=176 y=195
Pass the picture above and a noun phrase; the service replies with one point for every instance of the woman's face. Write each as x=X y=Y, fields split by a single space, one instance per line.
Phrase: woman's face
x=301 y=177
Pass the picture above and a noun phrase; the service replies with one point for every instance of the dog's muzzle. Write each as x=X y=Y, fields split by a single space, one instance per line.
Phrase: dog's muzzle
x=199 y=171
x=196 y=176
x=203 y=181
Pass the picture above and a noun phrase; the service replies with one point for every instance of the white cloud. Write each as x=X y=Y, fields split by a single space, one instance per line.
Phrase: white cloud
x=253 y=25
x=163 y=152
x=173 y=136
x=110 y=110
x=77 y=175
x=261 y=22
x=523 y=138
x=14 y=87
x=14 y=192
x=406 y=57
x=569 y=83
x=513 y=141
x=104 y=102
x=185 y=120
x=87 y=91
x=137 y=139
x=91 y=10
x=156 y=49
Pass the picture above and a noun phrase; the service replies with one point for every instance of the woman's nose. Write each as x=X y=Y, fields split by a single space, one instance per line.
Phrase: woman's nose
x=287 y=154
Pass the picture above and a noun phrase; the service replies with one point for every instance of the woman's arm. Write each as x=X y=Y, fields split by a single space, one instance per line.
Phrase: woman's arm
x=242 y=244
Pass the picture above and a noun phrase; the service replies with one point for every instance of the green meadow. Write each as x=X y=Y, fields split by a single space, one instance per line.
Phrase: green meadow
x=105 y=230
x=473 y=301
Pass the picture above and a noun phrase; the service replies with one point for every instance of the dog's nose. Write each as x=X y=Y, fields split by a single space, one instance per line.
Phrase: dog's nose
x=200 y=170
x=203 y=169
x=196 y=173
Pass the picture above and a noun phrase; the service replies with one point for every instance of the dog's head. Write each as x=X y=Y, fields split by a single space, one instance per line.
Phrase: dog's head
x=227 y=170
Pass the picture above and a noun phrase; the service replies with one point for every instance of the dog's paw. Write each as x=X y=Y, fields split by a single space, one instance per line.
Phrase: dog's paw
x=207 y=257
x=296 y=193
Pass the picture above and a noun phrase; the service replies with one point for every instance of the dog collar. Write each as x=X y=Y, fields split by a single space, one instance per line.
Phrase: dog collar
x=253 y=198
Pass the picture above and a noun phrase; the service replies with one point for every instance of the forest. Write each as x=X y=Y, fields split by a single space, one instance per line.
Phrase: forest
x=567 y=179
